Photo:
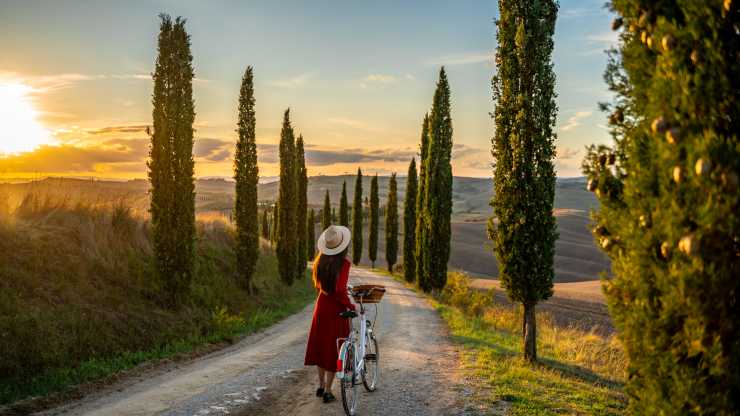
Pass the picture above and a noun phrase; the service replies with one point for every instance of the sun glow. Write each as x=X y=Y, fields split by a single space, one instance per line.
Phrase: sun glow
x=20 y=131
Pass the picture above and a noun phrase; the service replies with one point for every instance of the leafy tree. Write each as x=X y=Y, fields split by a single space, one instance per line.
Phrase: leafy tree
x=311 y=236
x=374 y=220
x=421 y=203
x=246 y=175
x=302 y=208
x=409 y=224
x=391 y=224
x=343 y=207
x=326 y=212
x=357 y=220
x=438 y=190
x=171 y=165
x=669 y=204
x=524 y=175
x=265 y=225
x=287 y=237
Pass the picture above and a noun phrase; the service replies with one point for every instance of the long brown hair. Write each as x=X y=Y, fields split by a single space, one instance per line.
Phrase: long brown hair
x=326 y=269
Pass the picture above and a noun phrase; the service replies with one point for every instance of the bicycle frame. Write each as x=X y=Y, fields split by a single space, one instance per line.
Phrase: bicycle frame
x=359 y=356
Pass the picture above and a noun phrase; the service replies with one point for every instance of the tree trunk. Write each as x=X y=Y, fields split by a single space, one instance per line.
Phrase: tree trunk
x=530 y=333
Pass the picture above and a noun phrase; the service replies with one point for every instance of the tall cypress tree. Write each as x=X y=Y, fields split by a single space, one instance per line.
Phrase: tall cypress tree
x=302 y=208
x=438 y=189
x=287 y=237
x=344 y=206
x=409 y=224
x=421 y=203
x=274 y=228
x=669 y=204
x=246 y=175
x=374 y=220
x=311 y=236
x=524 y=175
x=391 y=224
x=171 y=165
x=357 y=220
x=326 y=212
x=265 y=225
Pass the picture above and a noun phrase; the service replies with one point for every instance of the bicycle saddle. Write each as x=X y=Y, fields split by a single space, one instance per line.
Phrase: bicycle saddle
x=348 y=314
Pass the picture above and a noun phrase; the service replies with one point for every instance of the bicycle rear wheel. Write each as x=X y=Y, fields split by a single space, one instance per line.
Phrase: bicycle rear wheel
x=349 y=382
x=371 y=375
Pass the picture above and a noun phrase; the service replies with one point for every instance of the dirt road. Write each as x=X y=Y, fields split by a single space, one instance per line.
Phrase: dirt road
x=264 y=373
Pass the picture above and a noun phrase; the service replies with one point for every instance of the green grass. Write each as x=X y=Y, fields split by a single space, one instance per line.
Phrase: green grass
x=578 y=372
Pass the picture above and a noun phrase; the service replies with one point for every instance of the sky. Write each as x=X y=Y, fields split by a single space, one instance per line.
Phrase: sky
x=75 y=82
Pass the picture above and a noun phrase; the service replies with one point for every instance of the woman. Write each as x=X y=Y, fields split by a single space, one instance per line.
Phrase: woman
x=330 y=275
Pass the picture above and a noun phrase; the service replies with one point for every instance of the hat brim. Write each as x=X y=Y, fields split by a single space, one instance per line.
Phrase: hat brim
x=346 y=237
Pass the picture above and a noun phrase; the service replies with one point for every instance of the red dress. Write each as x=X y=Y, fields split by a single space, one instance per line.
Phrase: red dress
x=327 y=325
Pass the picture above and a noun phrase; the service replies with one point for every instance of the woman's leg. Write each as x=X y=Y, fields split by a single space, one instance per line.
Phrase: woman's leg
x=329 y=380
x=322 y=384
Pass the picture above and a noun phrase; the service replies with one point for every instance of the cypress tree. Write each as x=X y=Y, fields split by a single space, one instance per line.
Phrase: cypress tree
x=357 y=220
x=669 y=204
x=246 y=175
x=438 y=189
x=374 y=220
x=344 y=207
x=391 y=224
x=421 y=202
x=265 y=225
x=524 y=175
x=326 y=212
x=302 y=208
x=409 y=224
x=311 y=236
x=333 y=215
x=287 y=238
x=274 y=228
x=171 y=165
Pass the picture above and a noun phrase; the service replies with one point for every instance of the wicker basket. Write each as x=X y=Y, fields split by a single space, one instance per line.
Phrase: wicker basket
x=374 y=297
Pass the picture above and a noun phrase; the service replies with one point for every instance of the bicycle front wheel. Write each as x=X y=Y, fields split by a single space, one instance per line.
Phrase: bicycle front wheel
x=349 y=382
x=371 y=375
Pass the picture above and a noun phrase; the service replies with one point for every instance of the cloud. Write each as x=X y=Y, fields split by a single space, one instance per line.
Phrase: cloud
x=77 y=159
x=214 y=150
x=317 y=156
x=604 y=39
x=575 y=120
x=564 y=153
x=381 y=78
x=51 y=82
x=296 y=81
x=465 y=58
x=118 y=129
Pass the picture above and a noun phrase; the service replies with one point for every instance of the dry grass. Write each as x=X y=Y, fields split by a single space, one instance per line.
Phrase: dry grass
x=77 y=290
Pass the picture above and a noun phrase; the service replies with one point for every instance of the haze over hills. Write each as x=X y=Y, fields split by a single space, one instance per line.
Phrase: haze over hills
x=577 y=258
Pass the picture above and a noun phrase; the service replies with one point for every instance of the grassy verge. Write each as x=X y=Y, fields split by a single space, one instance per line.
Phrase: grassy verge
x=79 y=304
x=579 y=372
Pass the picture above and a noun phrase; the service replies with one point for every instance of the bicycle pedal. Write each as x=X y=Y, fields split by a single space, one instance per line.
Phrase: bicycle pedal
x=371 y=357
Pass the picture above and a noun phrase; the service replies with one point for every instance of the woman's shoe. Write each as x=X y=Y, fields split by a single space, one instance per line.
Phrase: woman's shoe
x=328 y=397
x=320 y=392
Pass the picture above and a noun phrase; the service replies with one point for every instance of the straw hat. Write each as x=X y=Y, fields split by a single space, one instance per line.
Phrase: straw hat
x=334 y=240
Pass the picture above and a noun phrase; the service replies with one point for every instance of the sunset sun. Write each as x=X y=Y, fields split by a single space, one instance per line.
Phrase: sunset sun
x=21 y=131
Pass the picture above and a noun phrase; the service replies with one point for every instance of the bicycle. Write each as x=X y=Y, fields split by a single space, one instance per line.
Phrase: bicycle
x=359 y=355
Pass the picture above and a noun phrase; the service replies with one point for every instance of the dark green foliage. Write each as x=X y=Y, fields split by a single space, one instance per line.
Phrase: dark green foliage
x=287 y=237
x=311 y=236
x=274 y=227
x=409 y=224
x=302 y=208
x=357 y=218
x=171 y=162
x=523 y=148
x=344 y=207
x=326 y=212
x=669 y=204
x=374 y=220
x=391 y=224
x=438 y=190
x=265 y=225
x=246 y=175
x=421 y=203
